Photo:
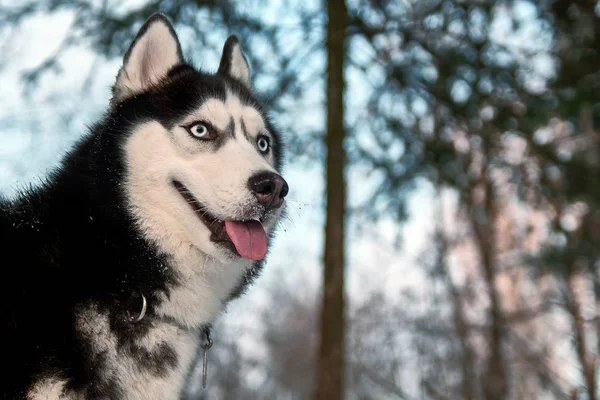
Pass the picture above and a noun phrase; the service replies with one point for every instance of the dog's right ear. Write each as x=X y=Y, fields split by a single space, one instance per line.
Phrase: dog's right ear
x=153 y=52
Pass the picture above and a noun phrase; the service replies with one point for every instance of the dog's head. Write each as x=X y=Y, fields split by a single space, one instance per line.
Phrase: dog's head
x=201 y=156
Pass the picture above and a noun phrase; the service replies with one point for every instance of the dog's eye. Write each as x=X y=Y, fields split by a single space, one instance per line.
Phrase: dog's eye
x=263 y=144
x=199 y=131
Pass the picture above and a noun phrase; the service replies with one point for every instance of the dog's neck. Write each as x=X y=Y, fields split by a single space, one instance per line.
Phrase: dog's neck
x=203 y=286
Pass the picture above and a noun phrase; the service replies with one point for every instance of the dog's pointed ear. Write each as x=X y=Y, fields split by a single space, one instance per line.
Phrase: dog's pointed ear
x=153 y=52
x=233 y=61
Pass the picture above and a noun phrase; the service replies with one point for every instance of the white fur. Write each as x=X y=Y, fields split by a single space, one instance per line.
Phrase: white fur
x=47 y=389
x=138 y=383
x=218 y=180
x=151 y=57
x=205 y=285
x=207 y=274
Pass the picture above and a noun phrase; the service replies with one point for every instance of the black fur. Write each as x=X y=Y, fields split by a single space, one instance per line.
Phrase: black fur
x=71 y=242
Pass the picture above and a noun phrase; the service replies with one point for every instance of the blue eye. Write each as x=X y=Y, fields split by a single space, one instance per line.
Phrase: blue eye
x=199 y=131
x=263 y=144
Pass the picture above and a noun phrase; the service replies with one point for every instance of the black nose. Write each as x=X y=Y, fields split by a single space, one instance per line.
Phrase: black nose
x=269 y=188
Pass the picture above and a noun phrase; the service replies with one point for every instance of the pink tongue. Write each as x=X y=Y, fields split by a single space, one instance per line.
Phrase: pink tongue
x=249 y=238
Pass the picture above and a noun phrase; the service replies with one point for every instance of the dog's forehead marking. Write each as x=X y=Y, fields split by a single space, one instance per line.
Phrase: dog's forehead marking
x=220 y=114
x=214 y=111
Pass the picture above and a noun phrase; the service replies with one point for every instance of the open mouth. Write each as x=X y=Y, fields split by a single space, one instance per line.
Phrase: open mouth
x=246 y=238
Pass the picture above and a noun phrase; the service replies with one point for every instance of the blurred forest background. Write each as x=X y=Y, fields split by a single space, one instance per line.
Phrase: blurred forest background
x=443 y=237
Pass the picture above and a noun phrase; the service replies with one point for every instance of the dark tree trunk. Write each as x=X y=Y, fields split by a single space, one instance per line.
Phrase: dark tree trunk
x=330 y=372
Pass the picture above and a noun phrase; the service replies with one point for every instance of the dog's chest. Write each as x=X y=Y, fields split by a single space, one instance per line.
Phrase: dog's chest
x=155 y=364
x=164 y=376
x=152 y=366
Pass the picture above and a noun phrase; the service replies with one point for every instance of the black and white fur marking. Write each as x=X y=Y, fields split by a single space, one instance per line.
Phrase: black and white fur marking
x=115 y=222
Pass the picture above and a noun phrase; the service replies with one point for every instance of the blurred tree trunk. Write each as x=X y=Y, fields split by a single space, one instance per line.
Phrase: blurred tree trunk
x=587 y=359
x=483 y=216
x=330 y=369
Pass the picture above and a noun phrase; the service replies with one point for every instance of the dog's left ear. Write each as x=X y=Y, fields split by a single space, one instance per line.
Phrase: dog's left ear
x=233 y=61
x=153 y=52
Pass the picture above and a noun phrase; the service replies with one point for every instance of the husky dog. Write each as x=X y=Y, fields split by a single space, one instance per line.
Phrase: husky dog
x=116 y=265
